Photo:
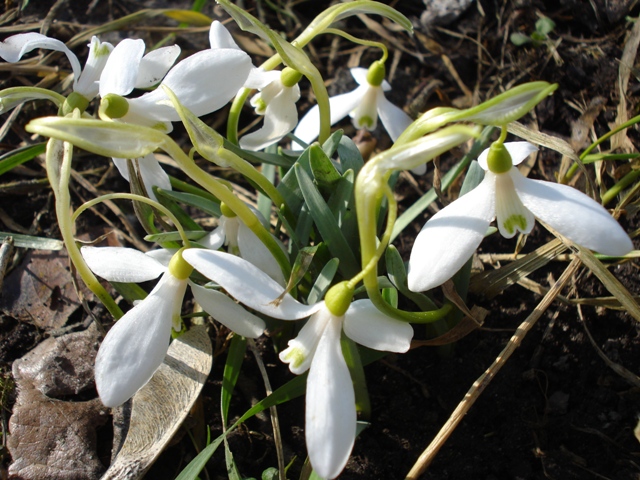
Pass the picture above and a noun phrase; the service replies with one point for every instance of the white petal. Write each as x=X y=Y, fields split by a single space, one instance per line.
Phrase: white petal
x=203 y=82
x=213 y=240
x=359 y=74
x=219 y=36
x=14 y=47
x=573 y=214
x=330 y=413
x=228 y=312
x=137 y=344
x=308 y=128
x=121 y=71
x=511 y=215
x=301 y=349
x=153 y=175
x=280 y=118
x=119 y=264
x=155 y=65
x=88 y=82
x=368 y=326
x=393 y=118
x=253 y=250
x=450 y=237
x=141 y=113
x=365 y=115
x=259 y=79
x=519 y=151
x=121 y=165
x=162 y=255
x=247 y=284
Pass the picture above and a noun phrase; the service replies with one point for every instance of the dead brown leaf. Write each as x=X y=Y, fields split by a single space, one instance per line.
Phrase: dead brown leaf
x=40 y=291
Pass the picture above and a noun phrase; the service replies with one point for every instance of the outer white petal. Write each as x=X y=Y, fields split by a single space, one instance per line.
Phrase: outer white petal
x=450 y=237
x=330 y=414
x=214 y=239
x=162 y=255
x=203 y=82
x=14 y=47
x=519 y=151
x=153 y=175
x=141 y=114
x=308 y=128
x=137 y=344
x=368 y=326
x=280 y=118
x=121 y=71
x=301 y=349
x=88 y=83
x=573 y=214
x=228 y=312
x=119 y=264
x=155 y=65
x=247 y=284
x=259 y=78
x=121 y=165
x=219 y=36
x=393 y=118
x=253 y=250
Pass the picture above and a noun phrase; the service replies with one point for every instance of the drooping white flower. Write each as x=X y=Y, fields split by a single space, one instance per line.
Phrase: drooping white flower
x=451 y=236
x=136 y=345
x=330 y=415
x=276 y=101
x=364 y=105
x=85 y=81
x=202 y=82
x=240 y=240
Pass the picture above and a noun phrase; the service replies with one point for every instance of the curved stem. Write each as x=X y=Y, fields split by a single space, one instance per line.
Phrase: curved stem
x=220 y=190
x=58 y=163
x=361 y=41
x=137 y=198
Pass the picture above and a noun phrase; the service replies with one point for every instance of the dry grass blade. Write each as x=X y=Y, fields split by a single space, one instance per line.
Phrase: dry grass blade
x=629 y=376
x=610 y=282
x=493 y=282
x=483 y=381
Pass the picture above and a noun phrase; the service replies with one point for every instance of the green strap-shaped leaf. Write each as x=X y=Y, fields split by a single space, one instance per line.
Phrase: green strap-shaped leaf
x=327 y=226
x=12 y=159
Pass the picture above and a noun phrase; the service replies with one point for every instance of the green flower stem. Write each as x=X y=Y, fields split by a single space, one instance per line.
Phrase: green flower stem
x=623 y=183
x=58 y=162
x=250 y=172
x=361 y=41
x=136 y=198
x=220 y=190
x=371 y=187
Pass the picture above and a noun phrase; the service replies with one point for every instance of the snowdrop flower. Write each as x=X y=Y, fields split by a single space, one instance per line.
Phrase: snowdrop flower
x=85 y=81
x=240 y=240
x=136 y=345
x=451 y=236
x=330 y=415
x=279 y=92
x=202 y=82
x=363 y=105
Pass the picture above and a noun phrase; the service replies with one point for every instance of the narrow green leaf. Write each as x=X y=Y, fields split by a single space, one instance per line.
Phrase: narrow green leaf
x=327 y=225
x=204 y=204
x=398 y=275
x=260 y=157
x=174 y=236
x=189 y=17
x=130 y=291
x=232 y=367
x=183 y=217
x=12 y=159
x=331 y=145
x=350 y=156
x=324 y=172
x=323 y=281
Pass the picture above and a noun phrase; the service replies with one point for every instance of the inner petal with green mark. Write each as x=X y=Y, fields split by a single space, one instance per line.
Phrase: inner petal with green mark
x=511 y=215
x=365 y=114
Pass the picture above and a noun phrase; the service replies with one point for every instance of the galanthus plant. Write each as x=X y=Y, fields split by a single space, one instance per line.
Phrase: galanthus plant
x=303 y=237
x=451 y=236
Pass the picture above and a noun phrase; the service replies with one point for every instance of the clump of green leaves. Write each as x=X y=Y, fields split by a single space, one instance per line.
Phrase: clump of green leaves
x=544 y=26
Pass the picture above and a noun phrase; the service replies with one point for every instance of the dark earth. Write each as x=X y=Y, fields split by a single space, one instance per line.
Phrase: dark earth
x=556 y=410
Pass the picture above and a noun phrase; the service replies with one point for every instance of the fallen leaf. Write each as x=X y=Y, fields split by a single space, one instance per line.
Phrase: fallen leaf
x=40 y=291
